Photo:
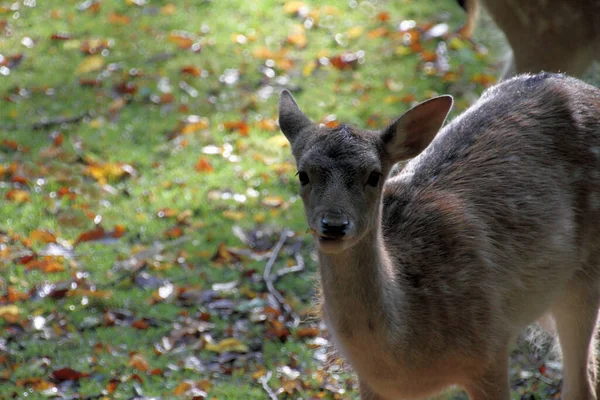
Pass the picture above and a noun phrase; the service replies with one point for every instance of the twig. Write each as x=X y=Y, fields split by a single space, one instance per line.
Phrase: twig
x=146 y=254
x=270 y=279
x=47 y=123
x=299 y=267
x=273 y=258
x=265 y=384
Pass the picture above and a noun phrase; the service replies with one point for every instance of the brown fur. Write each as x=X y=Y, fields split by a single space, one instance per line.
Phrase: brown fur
x=545 y=35
x=495 y=224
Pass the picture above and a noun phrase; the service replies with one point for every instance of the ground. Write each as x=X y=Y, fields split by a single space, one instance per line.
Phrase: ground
x=145 y=186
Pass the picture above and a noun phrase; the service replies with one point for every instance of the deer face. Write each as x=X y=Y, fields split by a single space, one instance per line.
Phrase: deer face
x=341 y=171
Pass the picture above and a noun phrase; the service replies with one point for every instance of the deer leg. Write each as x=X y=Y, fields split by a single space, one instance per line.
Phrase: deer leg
x=366 y=393
x=491 y=382
x=576 y=313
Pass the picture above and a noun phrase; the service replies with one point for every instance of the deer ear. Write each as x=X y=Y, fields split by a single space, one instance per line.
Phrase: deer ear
x=291 y=119
x=412 y=132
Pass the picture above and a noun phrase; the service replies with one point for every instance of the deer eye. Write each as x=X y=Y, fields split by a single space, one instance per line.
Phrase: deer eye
x=303 y=178
x=374 y=178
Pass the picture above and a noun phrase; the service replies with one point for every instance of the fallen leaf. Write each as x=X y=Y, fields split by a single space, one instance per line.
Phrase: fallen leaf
x=174 y=233
x=115 y=18
x=9 y=312
x=191 y=70
x=293 y=7
x=139 y=362
x=240 y=126
x=90 y=64
x=95 y=234
x=67 y=374
x=182 y=39
x=230 y=345
x=17 y=195
x=203 y=165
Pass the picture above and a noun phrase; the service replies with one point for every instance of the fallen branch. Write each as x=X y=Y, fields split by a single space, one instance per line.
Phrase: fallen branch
x=299 y=267
x=47 y=123
x=270 y=279
x=265 y=384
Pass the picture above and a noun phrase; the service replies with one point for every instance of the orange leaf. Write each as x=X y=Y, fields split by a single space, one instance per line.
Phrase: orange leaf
x=114 y=18
x=182 y=39
x=428 y=56
x=203 y=165
x=183 y=387
x=191 y=70
x=377 y=33
x=140 y=324
x=119 y=231
x=67 y=374
x=42 y=235
x=174 y=232
x=46 y=264
x=383 y=16
x=95 y=234
x=297 y=39
x=17 y=195
x=484 y=79
x=57 y=138
x=138 y=362
x=239 y=126
x=307 y=332
x=112 y=385
x=166 y=213
x=267 y=124
x=61 y=36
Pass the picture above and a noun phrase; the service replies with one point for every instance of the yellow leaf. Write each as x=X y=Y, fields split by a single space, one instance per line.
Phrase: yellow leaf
x=292 y=7
x=90 y=64
x=260 y=218
x=227 y=345
x=403 y=50
x=330 y=10
x=298 y=37
x=272 y=201
x=72 y=44
x=168 y=9
x=308 y=69
x=9 y=311
x=17 y=195
x=355 y=32
x=234 y=215
x=278 y=141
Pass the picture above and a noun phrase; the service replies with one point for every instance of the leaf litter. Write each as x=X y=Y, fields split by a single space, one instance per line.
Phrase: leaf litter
x=203 y=306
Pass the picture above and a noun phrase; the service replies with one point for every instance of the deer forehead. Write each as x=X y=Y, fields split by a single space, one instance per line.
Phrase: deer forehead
x=333 y=148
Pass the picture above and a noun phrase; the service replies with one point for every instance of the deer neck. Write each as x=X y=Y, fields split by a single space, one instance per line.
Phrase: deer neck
x=359 y=287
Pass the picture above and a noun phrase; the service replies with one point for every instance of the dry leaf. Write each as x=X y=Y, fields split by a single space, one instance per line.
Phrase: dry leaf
x=203 y=165
x=139 y=362
x=90 y=64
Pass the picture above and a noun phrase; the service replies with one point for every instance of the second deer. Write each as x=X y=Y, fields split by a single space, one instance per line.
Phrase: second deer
x=545 y=35
x=428 y=276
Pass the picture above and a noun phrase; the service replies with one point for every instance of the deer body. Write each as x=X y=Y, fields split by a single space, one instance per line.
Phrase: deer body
x=545 y=35
x=427 y=277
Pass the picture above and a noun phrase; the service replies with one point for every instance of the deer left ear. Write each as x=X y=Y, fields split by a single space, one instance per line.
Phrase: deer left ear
x=291 y=120
x=412 y=132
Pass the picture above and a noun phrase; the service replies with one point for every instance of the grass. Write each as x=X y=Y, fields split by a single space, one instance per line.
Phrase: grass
x=166 y=86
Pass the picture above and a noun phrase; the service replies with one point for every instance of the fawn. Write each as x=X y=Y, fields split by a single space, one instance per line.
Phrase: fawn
x=545 y=35
x=427 y=276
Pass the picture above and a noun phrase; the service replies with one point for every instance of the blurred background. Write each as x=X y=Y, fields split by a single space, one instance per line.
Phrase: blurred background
x=152 y=244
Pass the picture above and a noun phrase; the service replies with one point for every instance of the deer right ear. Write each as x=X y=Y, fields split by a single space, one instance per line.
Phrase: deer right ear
x=291 y=119
x=410 y=134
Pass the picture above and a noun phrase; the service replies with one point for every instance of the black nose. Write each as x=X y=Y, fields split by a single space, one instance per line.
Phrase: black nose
x=334 y=225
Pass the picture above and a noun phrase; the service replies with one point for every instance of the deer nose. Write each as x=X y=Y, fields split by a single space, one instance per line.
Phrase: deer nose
x=334 y=224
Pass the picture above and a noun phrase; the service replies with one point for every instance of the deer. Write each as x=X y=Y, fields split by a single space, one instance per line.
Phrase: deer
x=544 y=35
x=429 y=275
